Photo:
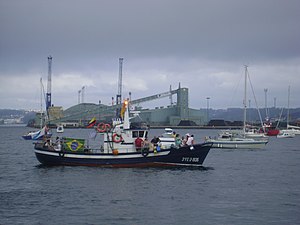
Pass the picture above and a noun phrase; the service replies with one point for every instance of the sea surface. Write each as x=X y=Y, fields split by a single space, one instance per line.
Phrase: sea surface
x=233 y=187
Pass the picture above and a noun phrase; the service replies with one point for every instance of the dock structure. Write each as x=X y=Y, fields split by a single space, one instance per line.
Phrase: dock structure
x=174 y=114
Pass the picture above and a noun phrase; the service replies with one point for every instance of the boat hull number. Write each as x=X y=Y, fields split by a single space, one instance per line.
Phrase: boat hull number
x=190 y=159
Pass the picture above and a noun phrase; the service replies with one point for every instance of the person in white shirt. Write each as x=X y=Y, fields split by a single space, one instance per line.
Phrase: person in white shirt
x=190 y=140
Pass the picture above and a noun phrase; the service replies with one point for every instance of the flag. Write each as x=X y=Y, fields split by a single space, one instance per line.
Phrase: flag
x=92 y=135
x=123 y=109
x=39 y=134
x=74 y=145
x=92 y=123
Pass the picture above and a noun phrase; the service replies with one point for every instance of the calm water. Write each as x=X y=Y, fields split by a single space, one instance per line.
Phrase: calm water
x=234 y=187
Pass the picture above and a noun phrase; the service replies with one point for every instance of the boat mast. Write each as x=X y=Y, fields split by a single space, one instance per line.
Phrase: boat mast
x=288 y=109
x=41 y=83
x=245 y=100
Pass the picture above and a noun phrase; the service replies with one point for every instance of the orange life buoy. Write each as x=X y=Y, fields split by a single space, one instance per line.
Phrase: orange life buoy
x=117 y=138
x=102 y=127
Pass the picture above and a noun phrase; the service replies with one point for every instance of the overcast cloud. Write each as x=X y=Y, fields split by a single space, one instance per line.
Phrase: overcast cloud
x=202 y=44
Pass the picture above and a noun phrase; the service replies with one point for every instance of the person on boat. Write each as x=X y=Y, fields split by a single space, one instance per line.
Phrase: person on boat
x=48 y=144
x=174 y=134
x=138 y=143
x=146 y=143
x=190 y=140
x=57 y=146
x=185 y=139
x=156 y=144
x=155 y=140
x=178 y=140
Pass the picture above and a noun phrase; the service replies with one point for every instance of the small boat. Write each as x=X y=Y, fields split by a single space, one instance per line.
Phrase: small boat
x=286 y=134
x=119 y=149
x=59 y=129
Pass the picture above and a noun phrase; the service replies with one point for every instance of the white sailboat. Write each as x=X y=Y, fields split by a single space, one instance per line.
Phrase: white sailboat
x=239 y=142
x=290 y=131
x=294 y=129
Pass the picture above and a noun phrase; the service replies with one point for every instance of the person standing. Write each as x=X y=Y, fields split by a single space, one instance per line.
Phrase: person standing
x=178 y=140
x=190 y=140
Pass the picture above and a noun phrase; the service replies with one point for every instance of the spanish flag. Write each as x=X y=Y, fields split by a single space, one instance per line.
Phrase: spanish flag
x=92 y=123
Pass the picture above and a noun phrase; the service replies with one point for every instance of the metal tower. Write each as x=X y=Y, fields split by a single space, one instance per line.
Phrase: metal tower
x=82 y=94
x=79 y=91
x=48 y=95
x=119 y=95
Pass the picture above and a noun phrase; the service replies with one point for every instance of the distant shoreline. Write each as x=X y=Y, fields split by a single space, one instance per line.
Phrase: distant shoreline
x=197 y=127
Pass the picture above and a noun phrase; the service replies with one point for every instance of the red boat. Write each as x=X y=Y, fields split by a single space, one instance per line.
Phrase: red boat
x=270 y=130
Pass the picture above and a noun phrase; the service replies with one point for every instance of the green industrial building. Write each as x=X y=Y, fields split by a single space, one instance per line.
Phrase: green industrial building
x=175 y=114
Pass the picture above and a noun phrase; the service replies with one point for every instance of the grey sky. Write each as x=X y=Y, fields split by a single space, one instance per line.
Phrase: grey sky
x=202 y=44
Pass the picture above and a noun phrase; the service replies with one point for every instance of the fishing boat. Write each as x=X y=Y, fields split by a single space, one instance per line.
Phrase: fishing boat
x=234 y=140
x=119 y=149
x=270 y=129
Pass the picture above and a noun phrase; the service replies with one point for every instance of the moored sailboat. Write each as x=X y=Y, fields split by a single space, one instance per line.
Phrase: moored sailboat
x=235 y=141
x=290 y=131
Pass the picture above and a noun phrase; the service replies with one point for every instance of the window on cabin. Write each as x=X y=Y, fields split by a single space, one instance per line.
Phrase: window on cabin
x=135 y=134
x=141 y=134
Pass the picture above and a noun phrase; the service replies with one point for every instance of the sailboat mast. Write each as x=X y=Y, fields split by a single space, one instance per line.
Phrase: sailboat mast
x=245 y=100
x=41 y=84
x=288 y=109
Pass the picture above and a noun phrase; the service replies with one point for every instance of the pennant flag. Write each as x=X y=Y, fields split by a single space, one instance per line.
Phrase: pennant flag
x=74 y=145
x=92 y=123
x=39 y=134
x=92 y=135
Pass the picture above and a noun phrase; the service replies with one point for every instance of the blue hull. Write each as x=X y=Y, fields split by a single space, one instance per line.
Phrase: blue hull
x=184 y=156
